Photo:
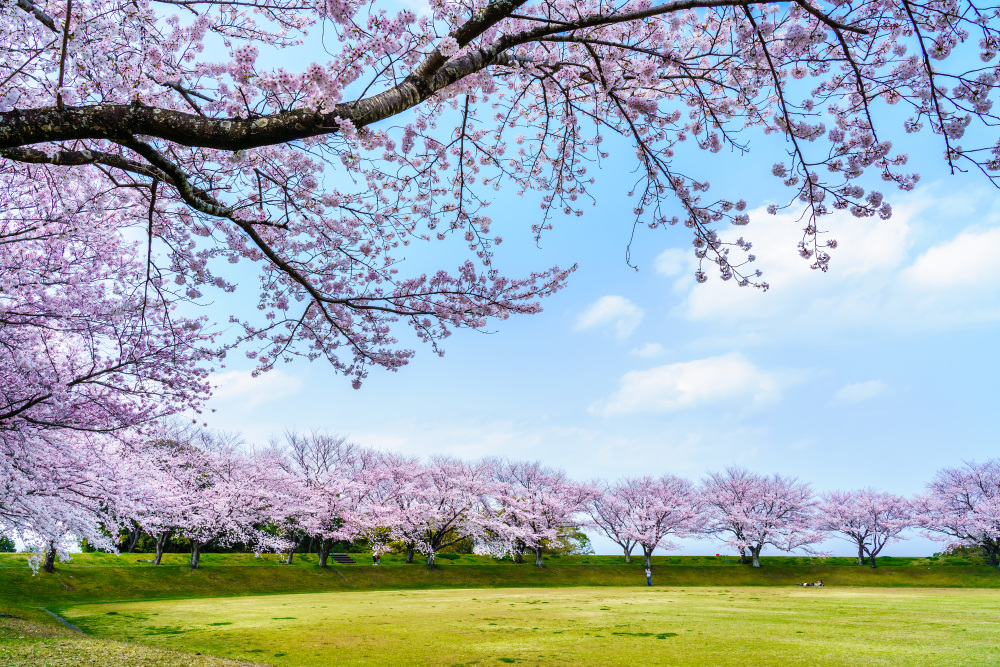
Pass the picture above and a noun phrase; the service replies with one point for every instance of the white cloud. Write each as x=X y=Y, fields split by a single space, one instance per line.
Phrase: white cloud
x=860 y=391
x=649 y=350
x=729 y=379
x=611 y=310
x=674 y=261
x=867 y=254
x=251 y=392
x=970 y=259
x=873 y=278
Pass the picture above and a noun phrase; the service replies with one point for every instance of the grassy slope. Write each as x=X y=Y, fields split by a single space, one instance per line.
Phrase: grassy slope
x=105 y=577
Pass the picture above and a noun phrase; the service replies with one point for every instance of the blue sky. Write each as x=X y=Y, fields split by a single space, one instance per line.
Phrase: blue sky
x=874 y=374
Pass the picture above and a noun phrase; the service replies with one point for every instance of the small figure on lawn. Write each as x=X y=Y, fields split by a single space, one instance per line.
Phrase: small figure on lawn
x=818 y=583
x=649 y=577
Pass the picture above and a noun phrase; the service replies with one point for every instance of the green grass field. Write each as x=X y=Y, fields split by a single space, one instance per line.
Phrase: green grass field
x=580 y=626
x=475 y=610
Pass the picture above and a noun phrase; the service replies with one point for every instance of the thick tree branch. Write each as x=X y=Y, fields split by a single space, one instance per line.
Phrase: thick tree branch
x=38 y=13
x=25 y=127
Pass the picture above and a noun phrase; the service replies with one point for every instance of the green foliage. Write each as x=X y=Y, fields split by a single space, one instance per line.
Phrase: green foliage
x=570 y=541
x=7 y=545
x=463 y=546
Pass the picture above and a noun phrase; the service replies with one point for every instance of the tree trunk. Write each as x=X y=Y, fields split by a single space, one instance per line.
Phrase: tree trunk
x=871 y=558
x=161 y=543
x=628 y=555
x=134 y=533
x=195 y=555
x=646 y=554
x=538 y=557
x=430 y=558
x=743 y=556
x=755 y=555
x=323 y=551
x=295 y=545
x=861 y=554
x=519 y=552
x=992 y=553
x=50 y=558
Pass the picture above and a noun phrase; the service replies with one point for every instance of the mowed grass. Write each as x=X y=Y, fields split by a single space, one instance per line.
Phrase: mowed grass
x=581 y=626
x=30 y=643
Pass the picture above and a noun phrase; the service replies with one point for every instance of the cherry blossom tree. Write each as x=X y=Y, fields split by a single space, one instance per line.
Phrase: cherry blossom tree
x=59 y=487
x=230 y=497
x=658 y=508
x=443 y=502
x=962 y=506
x=534 y=502
x=754 y=511
x=147 y=147
x=392 y=505
x=336 y=480
x=868 y=518
x=609 y=513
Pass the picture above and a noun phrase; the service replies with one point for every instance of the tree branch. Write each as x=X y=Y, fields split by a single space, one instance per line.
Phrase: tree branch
x=38 y=13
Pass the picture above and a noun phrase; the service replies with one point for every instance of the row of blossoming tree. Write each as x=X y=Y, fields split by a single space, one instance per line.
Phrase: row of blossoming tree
x=212 y=492
x=147 y=147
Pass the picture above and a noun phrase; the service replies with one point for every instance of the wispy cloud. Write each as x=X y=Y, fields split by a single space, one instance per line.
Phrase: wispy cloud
x=649 y=350
x=614 y=311
x=249 y=392
x=860 y=391
x=729 y=379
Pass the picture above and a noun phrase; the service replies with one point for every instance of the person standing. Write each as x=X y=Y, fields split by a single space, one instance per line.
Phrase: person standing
x=649 y=577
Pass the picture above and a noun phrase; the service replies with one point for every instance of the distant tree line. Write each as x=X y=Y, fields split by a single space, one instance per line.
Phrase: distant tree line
x=198 y=491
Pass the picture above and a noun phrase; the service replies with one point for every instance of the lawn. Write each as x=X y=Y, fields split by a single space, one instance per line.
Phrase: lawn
x=580 y=625
x=239 y=607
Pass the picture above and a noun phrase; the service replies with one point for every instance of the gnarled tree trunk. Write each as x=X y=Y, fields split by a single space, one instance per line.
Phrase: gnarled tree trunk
x=538 y=557
x=430 y=558
x=161 y=543
x=755 y=555
x=132 y=538
x=518 y=551
x=196 y=548
x=296 y=543
x=409 y=553
x=647 y=553
x=49 y=565
x=323 y=547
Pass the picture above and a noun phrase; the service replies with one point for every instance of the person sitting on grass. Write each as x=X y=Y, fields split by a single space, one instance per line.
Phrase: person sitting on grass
x=818 y=583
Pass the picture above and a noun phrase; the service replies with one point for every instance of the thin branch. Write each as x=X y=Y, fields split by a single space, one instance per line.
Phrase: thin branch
x=62 y=55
